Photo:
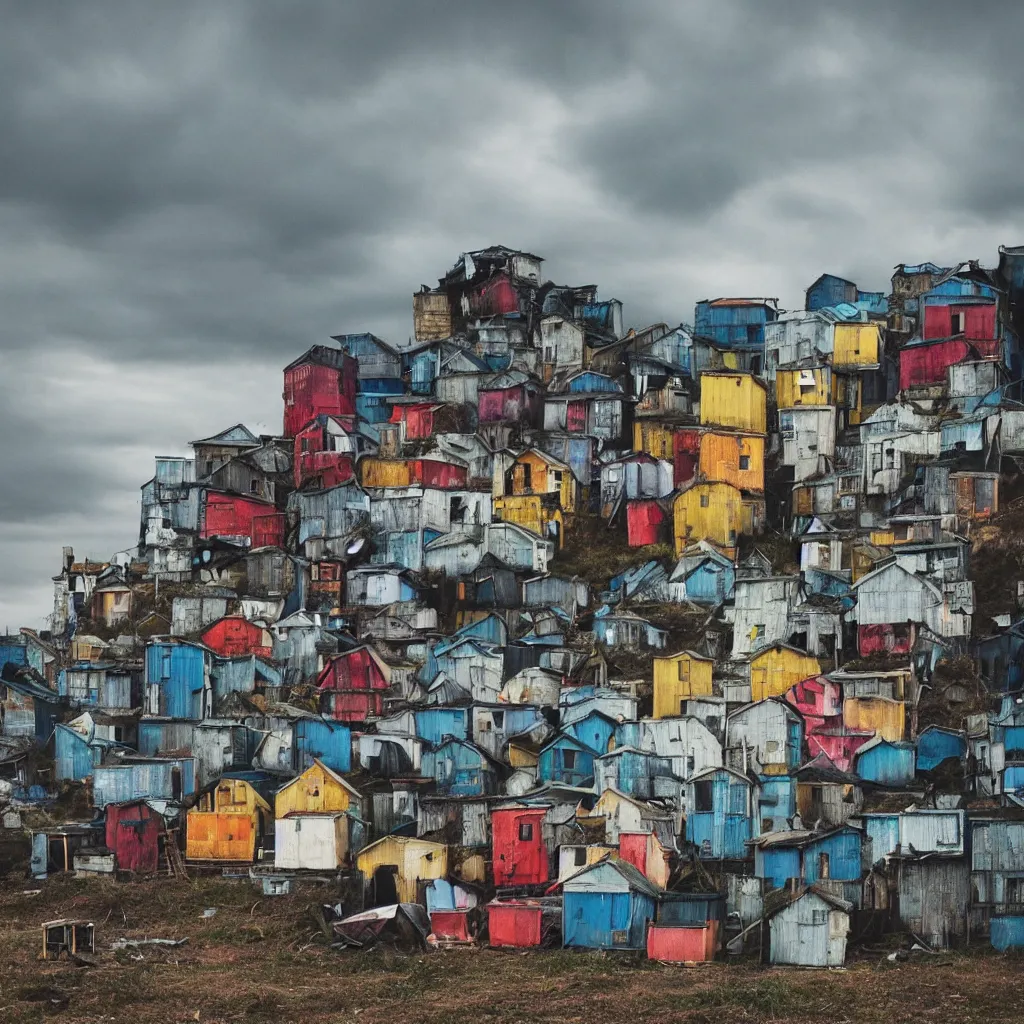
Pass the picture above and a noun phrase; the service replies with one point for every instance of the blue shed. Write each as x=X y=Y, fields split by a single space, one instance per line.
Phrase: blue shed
x=607 y=905
x=13 y=650
x=810 y=857
x=936 y=745
x=75 y=755
x=422 y=362
x=719 y=813
x=708 y=579
x=885 y=762
x=735 y=323
x=326 y=741
x=491 y=628
x=172 y=778
x=776 y=802
x=460 y=769
x=372 y=397
x=435 y=725
x=178 y=679
x=588 y=382
x=566 y=760
x=595 y=730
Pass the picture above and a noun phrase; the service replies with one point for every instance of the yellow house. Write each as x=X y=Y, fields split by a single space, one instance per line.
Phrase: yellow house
x=653 y=438
x=623 y=813
x=812 y=386
x=680 y=677
x=227 y=823
x=733 y=458
x=717 y=512
x=736 y=400
x=533 y=512
x=775 y=669
x=856 y=344
x=535 y=472
x=318 y=789
x=395 y=865
x=884 y=717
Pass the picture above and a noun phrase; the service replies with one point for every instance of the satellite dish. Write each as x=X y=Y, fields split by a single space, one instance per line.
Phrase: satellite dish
x=356 y=546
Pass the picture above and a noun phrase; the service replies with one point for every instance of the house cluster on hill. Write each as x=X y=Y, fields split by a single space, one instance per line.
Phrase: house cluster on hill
x=381 y=645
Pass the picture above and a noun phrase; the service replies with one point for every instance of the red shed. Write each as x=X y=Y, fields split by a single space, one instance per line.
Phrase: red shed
x=450 y=925
x=351 y=684
x=891 y=638
x=519 y=855
x=511 y=397
x=516 y=923
x=645 y=522
x=496 y=295
x=438 y=473
x=235 y=635
x=132 y=832
x=678 y=943
x=231 y=515
x=927 y=363
x=322 y=380
x=685 y=455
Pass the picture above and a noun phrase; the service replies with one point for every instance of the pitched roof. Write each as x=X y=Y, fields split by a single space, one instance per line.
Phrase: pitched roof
x=238 y=436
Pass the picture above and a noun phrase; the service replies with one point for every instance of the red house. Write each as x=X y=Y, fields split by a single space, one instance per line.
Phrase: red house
x=132 y=832
x=519 y=854
x=973 y=317
x=324 y=453
x=235 y=635
x=820 y=702
x=510 y=397
x=234 y=516
x=352 y=685
x=322 y=380
x=418 y=419
x=645 y=522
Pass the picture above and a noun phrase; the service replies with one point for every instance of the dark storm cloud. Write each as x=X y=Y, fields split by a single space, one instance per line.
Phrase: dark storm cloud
x=192 y=193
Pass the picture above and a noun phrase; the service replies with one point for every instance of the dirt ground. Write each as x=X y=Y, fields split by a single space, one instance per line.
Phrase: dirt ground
x=261 y=959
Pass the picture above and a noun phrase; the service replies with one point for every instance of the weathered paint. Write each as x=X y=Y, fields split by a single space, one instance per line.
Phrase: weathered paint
x=736 y=459
x=1007 y=932
x=566 y=760
x=132 y=832
x=735 y=400
x=323 y=380
x=407 y=861
x=227 y=823
x=532 y=513
x=856 y=344
x=234 y=635
x=719 y=814
x=311 y=842
x=607 y=906
x=679 y=678
x=232 y=516
x=460 y=768
x=708 y=511
x=776 y=669
x=680 y=943
x=514 y=924
x=810 y=932
x=170 y=779
x=177 y=680
x=645 y=522
x=317 y=790
x=935 y=745
x=886 y=763
x=886 y=718
x=811 y=386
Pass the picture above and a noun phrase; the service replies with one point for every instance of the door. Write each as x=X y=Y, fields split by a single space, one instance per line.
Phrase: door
x=384 y=887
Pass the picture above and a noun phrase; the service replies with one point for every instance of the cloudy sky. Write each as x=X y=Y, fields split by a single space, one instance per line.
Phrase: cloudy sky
x=193 y=193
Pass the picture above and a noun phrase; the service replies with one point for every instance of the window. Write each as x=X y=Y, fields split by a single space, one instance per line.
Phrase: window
x=758 y=631
x=819 y=917
x=744 y=462
x=166 y=523
x=703 y=797
x=305 y=444
x=684 y=671
x=1015 y=890
x=579 y=856
x=956 y=322
x=569 y=759
x=254 y=486
x=498 y=717
x=525 y=831
x=705 y=500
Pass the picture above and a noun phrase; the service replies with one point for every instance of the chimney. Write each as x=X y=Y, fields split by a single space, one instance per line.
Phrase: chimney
x=69 y=558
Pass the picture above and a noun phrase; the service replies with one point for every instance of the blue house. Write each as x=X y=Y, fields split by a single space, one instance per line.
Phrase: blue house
x=997 y=879
x=13 y=650
x=178 y=679
x=460 y=769
x=595 y=730
x=435 y=725
x=77 y=754
x=29 y=707
x=830 y=290
x=420 y=363
x=719 y=814
x=811 y=857
x=144 y=778
x=491 y=628
x=607 y=905
x=703 y=576
x=936 y=745
x=886 y=763
x=566 y=760
x=776 y=803
x=735 y=323
x=637 y=773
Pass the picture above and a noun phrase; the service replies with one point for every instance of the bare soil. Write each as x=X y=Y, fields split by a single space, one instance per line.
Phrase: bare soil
x=262 y=959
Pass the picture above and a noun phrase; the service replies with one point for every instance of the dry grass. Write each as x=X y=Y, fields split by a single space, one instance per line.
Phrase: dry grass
x=256 y=961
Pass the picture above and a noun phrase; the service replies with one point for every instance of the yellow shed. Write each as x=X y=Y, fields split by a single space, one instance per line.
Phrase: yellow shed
x=532 y=513
x=737 y=400
x=536 y=472
x=374 y=472
x=884 y=717
x=395 y=865
x=812 y=386
x=678 y=678
x=732 y=458
x=856 y=344
x=653 y=438
x=775 y=669
x=317 y=789
x=707 y=510
x=227 y=823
